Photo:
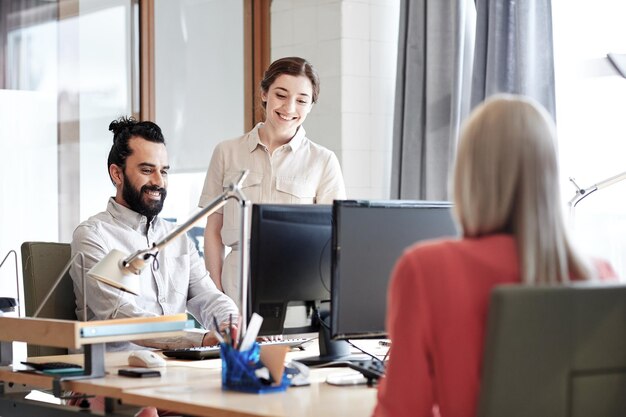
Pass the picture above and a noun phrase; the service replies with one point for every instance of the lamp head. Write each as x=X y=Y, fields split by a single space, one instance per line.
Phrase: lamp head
x=112 y=271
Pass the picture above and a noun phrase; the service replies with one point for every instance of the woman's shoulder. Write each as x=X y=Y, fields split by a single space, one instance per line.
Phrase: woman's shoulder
x=494 y=255
x=315 y=147
x=491 y=244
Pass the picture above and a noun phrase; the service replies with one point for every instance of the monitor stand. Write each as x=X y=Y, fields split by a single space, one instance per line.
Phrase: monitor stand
x=331 y=350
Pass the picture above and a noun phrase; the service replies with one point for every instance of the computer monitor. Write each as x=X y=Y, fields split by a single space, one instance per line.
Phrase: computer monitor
x=368 y=239
x=555 y=351
x=289 y=266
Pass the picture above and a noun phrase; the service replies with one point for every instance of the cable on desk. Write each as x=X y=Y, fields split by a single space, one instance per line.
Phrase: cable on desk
x=367 y=353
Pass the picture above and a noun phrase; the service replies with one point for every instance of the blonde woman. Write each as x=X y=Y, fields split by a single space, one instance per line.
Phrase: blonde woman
x=507 y=205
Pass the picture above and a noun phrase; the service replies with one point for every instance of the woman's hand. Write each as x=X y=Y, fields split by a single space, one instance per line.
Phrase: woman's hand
x=272 y=338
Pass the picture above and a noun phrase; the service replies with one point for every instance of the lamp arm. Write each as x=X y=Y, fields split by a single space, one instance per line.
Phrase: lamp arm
x=610 y=181
x=60 y=277
x=17 y=279
x=136 y=262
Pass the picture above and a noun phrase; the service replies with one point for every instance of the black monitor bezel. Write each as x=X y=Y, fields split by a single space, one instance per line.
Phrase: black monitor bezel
x=335 y=254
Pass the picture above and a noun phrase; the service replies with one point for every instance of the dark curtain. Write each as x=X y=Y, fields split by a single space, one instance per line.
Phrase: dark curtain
x=445 y=47
x=514 y=50
x=432 y=94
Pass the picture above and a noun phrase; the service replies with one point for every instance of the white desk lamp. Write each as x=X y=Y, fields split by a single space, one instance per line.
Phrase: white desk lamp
x=582 y=193
x=619 y=63
x=121 y=271
x=8 y=304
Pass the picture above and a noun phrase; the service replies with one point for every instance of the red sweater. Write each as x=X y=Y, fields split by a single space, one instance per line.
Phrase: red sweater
x=437 y=313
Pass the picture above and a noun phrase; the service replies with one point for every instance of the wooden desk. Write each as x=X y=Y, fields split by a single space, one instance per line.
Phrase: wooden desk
x=206 y=398
x=194 y=388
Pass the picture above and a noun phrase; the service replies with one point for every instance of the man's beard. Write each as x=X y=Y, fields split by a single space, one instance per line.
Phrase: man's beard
x=134 y=199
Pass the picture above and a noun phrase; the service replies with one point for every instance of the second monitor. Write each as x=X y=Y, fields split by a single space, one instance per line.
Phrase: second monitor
x=289 y=266
x=368 y=239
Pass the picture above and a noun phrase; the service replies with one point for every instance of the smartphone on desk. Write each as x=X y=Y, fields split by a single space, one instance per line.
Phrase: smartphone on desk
x=139 y=373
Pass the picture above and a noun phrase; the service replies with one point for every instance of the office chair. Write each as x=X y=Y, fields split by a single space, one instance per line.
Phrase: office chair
x=555 y=351
x=196 y=234
x=41 y=264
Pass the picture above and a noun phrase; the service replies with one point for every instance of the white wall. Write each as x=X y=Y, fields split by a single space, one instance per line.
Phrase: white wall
x=353 y=46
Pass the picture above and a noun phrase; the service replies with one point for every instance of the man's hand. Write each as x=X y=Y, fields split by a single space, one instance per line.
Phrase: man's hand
x=148 y=412
x=210 y=339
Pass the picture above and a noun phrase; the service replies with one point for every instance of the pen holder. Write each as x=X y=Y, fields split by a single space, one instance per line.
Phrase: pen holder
x=238 y=371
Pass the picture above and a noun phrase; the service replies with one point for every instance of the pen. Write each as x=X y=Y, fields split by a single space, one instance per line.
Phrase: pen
x=230 y=329
x=227 y=336
x=218 y=333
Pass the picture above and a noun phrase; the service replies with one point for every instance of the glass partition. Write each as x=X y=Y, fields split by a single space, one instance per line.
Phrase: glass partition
x=66 y=73
x=199 y=89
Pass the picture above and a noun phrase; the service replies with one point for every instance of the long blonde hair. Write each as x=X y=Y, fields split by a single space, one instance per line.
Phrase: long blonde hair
x=506 y=181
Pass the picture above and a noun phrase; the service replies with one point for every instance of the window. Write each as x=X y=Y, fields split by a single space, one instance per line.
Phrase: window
x=591 y=98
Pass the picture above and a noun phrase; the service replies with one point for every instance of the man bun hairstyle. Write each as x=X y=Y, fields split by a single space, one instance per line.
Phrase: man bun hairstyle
x=123 y=130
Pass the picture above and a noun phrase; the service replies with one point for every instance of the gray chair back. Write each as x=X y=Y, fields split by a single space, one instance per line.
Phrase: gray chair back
x=42 y=262
x=555 y=352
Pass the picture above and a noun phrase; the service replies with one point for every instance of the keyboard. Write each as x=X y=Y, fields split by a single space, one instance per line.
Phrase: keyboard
x=51 y=366
x=213 y=352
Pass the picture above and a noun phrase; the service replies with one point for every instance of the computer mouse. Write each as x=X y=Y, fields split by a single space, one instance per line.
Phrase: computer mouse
x=298 y=373
x=145 y=359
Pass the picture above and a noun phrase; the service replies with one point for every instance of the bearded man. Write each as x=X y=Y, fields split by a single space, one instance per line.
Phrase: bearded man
x=177 y=280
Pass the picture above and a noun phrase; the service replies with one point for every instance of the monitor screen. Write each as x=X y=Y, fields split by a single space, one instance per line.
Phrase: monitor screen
x=368 y=239
x=289 y=266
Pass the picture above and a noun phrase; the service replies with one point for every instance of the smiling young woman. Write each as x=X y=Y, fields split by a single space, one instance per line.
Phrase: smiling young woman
x=285 y=166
